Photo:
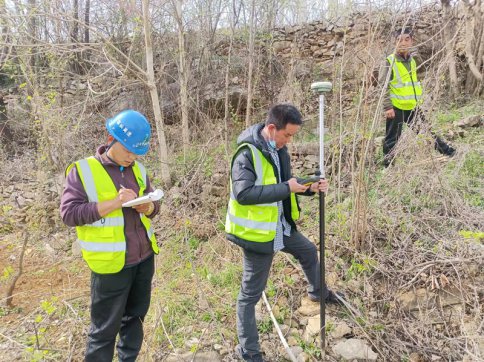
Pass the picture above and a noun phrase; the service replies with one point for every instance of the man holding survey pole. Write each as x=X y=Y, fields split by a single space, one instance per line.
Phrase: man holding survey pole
x=261 y=216
x=118 y=243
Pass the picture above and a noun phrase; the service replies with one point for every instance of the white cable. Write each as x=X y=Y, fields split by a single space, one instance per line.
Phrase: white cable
x=278 y=329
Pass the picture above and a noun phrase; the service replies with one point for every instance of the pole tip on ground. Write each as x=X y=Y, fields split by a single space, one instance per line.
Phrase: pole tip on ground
x=320 y=87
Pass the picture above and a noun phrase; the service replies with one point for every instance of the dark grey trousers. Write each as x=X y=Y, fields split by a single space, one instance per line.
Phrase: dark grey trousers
x=119 y=303
x=254 y=280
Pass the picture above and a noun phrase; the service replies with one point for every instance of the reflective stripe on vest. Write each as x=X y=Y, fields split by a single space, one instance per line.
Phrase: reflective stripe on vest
x=140 y=174
x=103 y=242
x=258 y=222
x=104 y=247
x=405 y=89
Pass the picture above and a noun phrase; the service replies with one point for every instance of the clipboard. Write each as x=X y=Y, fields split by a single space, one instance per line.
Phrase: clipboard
x=152 y=196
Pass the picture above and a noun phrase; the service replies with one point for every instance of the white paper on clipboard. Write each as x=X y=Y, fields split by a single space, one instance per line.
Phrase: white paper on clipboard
x=152 y=196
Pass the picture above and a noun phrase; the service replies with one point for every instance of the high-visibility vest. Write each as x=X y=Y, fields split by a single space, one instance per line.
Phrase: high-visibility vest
x=257 y=222
x=405 y=89
x=103 y=243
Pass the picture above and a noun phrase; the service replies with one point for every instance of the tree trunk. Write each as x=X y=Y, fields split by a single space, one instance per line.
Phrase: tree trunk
x=33 y=30
x=75 y=63
x=480 y=61
x=251 y=64
x=474 y=48
x=165 y=169
x=87 y=11
x=227 y=78
x=470 y=51
x=448 y=30
x=75 y=23
x=4 y=36
x=183 y=76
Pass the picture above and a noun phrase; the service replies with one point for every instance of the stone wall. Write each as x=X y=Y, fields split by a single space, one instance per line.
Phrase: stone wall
x=322 y=41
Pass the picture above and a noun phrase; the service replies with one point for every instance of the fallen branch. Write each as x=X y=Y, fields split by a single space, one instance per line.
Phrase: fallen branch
x=9 y=295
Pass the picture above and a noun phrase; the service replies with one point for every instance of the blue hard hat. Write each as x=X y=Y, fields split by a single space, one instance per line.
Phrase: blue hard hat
x=132 y=130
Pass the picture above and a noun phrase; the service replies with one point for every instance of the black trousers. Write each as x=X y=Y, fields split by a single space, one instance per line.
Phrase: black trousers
x=413 y=118
x=119 y=303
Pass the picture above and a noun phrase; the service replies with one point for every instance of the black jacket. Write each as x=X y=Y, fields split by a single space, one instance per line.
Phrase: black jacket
x=247 y=193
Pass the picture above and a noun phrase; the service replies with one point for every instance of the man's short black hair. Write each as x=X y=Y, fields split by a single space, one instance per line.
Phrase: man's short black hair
x=282 y=114
x=401 y=31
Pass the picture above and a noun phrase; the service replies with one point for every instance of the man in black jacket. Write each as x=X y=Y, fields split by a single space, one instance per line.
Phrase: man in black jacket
x=261 y=213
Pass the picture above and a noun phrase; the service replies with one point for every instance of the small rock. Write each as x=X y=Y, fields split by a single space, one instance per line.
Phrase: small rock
x=294 y=332
x=292 y=341
x=29 y=195
x=266 y=346
x=217 y=190
x=354 y=348
x=282 y=301
x=296 y=350
x=210 y=356
x=281 y=45
x=413 y=300
x=341 y=330
x=314 y=324
x=276 y=311
x=449 y=297
x=308 y=308
x=192 y=342
x=21 y=201
x=373 y=314
x=308 y=337
x=303 y=357
x=217 y=347
x=415 y=357
x=471 y=121
x=49 y=249
x=284 y=329
x=291 y=322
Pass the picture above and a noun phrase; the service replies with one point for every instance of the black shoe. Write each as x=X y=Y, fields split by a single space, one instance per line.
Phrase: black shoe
x=451 y=151
x=332 y=298
x=442 y=147
x=387 y=161
x=335 y=298
x=245 y=356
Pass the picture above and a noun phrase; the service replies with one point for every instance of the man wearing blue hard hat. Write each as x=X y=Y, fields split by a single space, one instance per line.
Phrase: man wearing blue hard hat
x=118 y=243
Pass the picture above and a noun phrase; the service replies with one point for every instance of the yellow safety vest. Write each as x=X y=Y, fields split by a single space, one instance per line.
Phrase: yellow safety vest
x=405 y=89
x=103 y=243
x=257 y=222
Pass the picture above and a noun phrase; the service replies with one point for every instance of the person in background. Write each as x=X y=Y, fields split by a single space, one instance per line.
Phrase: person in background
x=118 y=243
x=261 y=217
x=403 y=96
